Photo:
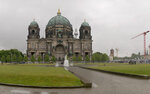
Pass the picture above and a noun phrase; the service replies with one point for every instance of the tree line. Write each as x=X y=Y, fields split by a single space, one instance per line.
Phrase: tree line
x=100 y=57
x=96 y=57
x=12 y=55
x=16 y=56
x=45 y=59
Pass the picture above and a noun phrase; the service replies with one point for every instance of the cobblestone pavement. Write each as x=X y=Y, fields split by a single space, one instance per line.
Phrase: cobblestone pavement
x=103 y=83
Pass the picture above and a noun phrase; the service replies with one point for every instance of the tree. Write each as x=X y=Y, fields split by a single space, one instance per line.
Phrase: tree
x=46 y=58
x=105 y=57
x=93 y=58
x=39 y=59
x=79 y=58
x=74 y=58
x=8 y=58
x=53 y=59
x=100 y=57
x=14 y=58
x=33 y=59
x=9 y=54
x=3 y=59
x=87 y=58
x=25 y=59
x=19 y=58
x=135 y=56
x=16 y=52
x=97 y=56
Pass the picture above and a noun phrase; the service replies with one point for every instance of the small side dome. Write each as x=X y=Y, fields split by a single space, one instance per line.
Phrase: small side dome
x=85 y=23
x=34 y=24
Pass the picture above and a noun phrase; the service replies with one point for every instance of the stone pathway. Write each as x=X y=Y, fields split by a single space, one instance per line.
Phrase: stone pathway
x=103 y=83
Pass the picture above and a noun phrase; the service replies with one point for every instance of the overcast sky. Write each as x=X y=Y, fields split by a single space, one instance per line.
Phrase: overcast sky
x=113 y=22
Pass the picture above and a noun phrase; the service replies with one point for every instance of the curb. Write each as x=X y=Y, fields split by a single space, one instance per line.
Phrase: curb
x=118 y=73
x=87 y=84
x=42 y=87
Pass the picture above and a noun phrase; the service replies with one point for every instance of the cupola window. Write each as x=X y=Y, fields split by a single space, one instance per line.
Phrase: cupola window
x=33 y=31
x=86 y=32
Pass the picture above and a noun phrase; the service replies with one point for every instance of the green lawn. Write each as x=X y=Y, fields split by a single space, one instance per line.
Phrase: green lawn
x=142 y=69
x=37 y=76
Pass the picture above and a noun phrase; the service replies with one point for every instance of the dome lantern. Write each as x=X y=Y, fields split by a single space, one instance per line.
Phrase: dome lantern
x=58 y=13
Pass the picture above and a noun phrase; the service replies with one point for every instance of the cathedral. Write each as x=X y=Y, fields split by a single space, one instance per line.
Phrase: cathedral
x=60 y=39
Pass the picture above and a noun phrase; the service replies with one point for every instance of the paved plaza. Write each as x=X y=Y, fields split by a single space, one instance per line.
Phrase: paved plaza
x=103 y=83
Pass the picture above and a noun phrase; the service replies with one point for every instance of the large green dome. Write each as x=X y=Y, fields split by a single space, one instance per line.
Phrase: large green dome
x=58 y=20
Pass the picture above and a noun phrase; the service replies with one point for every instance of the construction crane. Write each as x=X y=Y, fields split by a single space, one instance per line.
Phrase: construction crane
x=144 y=33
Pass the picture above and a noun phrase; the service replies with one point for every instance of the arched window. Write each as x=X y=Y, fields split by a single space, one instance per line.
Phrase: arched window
x=51 y=32
x=86 y=53
x=33 y=31
x=86 y=32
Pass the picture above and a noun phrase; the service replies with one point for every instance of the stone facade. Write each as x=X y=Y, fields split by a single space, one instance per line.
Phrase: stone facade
x=59 y=39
